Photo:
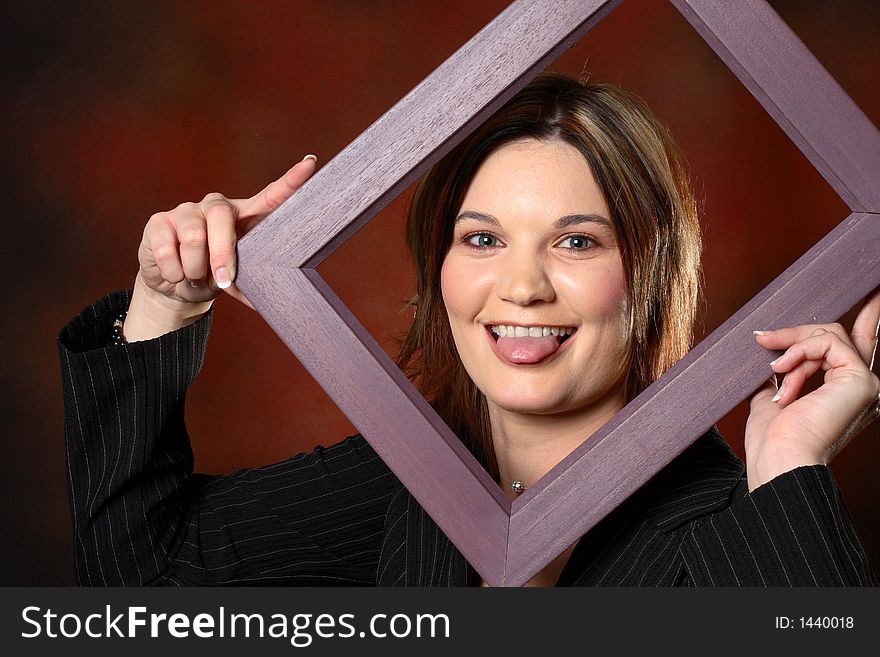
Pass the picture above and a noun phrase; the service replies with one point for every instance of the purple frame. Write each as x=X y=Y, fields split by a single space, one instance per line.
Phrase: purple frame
x=508 y=543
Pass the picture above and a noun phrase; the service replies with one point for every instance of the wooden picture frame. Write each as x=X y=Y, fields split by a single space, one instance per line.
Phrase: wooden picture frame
x=508 y=543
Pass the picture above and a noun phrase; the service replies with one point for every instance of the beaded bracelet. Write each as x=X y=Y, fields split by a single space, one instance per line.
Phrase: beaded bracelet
x=116 y=337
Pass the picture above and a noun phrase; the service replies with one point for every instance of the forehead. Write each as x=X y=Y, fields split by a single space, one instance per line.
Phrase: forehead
x=535 y=178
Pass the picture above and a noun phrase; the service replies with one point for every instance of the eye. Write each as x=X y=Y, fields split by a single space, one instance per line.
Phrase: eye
x=577 y=242
x=482 y=240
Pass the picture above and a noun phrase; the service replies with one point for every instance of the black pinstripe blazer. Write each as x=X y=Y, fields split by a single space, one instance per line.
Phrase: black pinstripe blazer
x=339 y=516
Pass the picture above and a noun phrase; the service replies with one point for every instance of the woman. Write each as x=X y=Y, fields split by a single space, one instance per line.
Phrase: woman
x=557 y=251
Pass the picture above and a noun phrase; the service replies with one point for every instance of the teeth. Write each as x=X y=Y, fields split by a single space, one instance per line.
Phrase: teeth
x=510 y=331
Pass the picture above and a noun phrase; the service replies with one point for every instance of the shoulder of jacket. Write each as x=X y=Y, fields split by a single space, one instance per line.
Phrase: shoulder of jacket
x=702 y=480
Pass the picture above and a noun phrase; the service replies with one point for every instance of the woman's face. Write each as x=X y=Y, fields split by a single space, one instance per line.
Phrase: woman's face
x=534 y=285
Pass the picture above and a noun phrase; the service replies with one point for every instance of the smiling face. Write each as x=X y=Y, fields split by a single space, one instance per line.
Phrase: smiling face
x=534 y=285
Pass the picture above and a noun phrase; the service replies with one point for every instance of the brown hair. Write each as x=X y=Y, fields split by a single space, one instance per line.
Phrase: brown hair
x=642 y=177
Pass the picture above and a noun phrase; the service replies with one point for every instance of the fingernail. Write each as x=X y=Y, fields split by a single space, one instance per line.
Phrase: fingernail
x=773 y=362
x=778 y=394
x=310 y=156
x=224 y=280
x=759 y=332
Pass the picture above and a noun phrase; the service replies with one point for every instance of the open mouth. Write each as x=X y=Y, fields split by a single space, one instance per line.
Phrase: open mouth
x=528 y=344
x=561 y=333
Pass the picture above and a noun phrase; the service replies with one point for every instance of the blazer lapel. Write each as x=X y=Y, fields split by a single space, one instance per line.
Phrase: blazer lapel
x=415 y=552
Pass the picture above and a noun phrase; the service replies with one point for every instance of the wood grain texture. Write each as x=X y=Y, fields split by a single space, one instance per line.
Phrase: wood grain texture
x=507 y=544
x=422 y=127
x=796 y=90
x=680 y=406
x=389 y=412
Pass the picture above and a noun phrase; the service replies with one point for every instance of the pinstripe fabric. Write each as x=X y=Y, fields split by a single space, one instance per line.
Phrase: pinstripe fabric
x=338 y=516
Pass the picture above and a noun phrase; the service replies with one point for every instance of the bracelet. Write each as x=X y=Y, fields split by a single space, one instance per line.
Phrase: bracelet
x=116 y=337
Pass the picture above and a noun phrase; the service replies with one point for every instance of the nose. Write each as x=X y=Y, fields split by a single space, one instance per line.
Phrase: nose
x=524 y=280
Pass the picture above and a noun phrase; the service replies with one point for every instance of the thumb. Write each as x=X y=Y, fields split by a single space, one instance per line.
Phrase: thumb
x=762 y=410
x=764 y=396
x=866 y=326
x=254 y=209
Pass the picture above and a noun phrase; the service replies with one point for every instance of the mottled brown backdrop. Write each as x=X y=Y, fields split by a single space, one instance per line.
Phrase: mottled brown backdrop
x=115 y=110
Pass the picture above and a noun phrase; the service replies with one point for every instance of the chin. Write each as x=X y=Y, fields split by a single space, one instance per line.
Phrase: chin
x=536 y=403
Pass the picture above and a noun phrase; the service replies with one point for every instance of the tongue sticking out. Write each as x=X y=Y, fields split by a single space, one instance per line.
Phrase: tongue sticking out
x=527 y=350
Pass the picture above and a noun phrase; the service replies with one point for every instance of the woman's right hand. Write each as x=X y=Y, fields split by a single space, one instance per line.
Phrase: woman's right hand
x=187 y=255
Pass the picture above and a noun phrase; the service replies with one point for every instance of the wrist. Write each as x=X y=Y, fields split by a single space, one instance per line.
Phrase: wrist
x=151 y=314
x=761 y=472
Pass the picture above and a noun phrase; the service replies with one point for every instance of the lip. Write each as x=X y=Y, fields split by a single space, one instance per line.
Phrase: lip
x=491 y=338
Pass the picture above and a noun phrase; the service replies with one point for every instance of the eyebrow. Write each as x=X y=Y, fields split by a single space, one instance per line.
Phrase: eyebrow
x=562 y=222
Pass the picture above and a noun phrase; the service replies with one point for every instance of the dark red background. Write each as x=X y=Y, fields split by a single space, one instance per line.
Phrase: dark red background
x=116 y=110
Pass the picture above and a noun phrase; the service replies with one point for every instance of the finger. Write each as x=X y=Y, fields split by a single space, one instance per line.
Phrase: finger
x=220 y=217
x=824 y=346
x=161 y=241
x=794 y=380
x=275 y=193
x=192 y=234
x=785 y=337
x=864 y=333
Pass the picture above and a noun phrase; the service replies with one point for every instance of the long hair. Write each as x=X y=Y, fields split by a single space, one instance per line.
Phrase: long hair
x=641 y=175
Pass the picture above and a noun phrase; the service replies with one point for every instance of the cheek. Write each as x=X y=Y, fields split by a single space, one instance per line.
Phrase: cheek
x=605 y=308
x=602 y=297
x=460 y=295
x=616 y=306
x=448 y=287
x=615 y=301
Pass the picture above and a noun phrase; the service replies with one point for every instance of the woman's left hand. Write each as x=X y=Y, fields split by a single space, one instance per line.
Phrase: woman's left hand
x=785 y=432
